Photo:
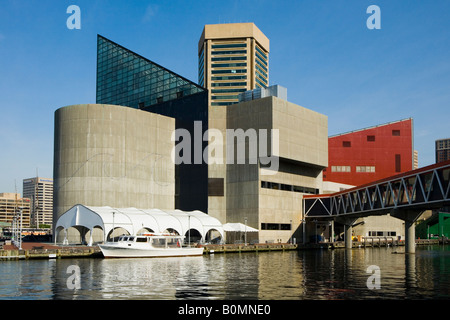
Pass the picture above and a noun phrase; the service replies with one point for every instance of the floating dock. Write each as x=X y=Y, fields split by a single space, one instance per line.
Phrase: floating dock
x=370 y=243
x=45 y=251
x=258 y=247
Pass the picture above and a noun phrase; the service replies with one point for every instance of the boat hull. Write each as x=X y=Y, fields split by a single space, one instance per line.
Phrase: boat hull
x=113 y=251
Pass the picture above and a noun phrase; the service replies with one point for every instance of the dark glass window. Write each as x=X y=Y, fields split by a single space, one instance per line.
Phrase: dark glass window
x=128 y=79
x=346 y=144
x=229 y=52
x=228 y=71
x=395 y=132
x=398 y=163
x=228 y=65
x=229 y=45
x=215 y=187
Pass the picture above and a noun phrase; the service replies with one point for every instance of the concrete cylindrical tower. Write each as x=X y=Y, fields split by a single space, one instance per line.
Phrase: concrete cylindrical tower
x=107 y=155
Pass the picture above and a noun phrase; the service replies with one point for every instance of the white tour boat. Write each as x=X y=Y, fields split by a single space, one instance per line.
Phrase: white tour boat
x=148 y=246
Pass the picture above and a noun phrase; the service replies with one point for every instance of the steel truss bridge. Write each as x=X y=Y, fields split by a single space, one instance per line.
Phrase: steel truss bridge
x=404 y=196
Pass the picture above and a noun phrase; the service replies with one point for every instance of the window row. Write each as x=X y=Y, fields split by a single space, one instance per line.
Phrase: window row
x=228 y=65
x=260 y=57
x=230 y=97
x=287 y=187
x=227 y=103
x=382 y=233
x=229 y=84
x=229 y=52
x=227 y=90
x=244 y=58
x=348 y=169
x=340 y=169
x=275 y=226
x=229 y=71
x=365 y=168
x=260 y=51
x=229 y=45
x=229 y=78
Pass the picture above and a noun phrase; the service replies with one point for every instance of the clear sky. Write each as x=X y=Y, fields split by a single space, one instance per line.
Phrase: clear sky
x=321 y=51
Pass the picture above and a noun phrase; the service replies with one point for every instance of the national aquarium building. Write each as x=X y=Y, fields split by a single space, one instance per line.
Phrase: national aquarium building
x=121 y=152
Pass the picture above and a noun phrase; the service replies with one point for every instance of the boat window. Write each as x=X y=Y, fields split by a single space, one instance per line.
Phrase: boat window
x=123 y=239
x=130 y=238
x=159 y=243
x=141 y=239
x=173 y=243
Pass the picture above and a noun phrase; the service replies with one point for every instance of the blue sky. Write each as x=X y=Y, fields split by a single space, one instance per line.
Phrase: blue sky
x=321 y=50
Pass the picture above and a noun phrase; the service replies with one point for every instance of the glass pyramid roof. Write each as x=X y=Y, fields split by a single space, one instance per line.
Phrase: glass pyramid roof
x=128 y=79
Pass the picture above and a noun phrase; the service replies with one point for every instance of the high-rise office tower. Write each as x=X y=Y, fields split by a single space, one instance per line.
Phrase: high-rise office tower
x=232 y=58
x=442 y=150
x=40 y=192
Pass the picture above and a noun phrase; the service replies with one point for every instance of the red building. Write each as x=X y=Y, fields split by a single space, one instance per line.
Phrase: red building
x=370 y=154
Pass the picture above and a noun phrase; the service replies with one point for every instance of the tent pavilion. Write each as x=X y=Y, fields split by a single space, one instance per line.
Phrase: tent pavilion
x=240 y=233
x=86 y=224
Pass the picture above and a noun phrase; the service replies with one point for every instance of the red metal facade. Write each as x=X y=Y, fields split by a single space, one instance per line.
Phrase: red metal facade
x=370 y=154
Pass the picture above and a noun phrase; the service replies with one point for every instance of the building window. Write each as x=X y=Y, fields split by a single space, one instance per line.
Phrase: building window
x=365 y=168
x=229 y=45
x=288 y=187
x=341 y=169
x=395 y=132
x=398 y=163
x=346 y=144
x=275 y=226
x=370 y=138
x=215 y=187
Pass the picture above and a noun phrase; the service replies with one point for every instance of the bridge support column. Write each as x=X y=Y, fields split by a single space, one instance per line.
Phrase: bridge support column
x=410 y=236
x=348 y=236
x=348 y=223
x=410 y=217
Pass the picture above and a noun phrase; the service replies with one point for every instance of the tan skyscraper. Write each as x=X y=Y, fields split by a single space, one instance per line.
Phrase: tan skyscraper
x=232 y=58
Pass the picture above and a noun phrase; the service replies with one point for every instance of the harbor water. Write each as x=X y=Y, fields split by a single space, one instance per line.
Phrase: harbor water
x=371 y=273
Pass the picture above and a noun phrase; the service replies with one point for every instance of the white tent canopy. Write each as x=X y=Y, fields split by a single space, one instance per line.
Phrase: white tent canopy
x=134 y=221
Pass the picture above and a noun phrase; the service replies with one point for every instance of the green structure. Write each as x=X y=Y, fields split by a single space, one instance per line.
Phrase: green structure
x=437 y=225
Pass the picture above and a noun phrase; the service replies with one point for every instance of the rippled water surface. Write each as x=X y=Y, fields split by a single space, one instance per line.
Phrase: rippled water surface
x=324 y=274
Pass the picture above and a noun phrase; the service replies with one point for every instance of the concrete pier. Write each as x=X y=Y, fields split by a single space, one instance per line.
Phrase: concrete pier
x=410 y=217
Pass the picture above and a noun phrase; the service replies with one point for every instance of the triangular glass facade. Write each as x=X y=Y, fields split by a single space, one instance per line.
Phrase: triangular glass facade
x=128 y=79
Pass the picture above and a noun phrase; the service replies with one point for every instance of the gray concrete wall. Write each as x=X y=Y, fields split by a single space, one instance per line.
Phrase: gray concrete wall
x=112 y=155
x=303 y=153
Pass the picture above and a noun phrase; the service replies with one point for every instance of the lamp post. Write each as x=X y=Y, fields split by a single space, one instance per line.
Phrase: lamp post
x=112 y=232
x=20 y=232
x=304 y=230
x=292 y=234
x=245 y=231
x=189 y=229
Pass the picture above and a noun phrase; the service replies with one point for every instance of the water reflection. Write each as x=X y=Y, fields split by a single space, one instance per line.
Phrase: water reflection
x=324 y=274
